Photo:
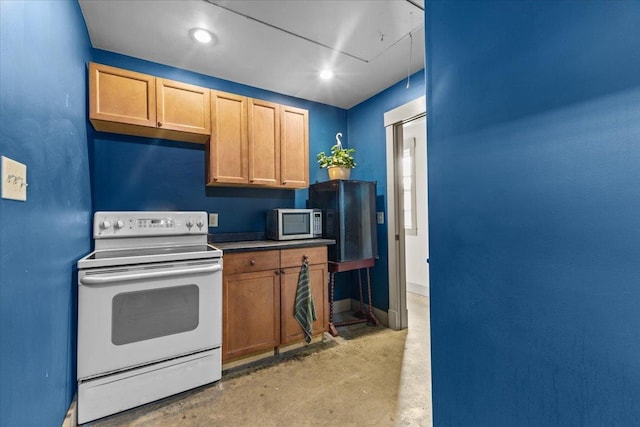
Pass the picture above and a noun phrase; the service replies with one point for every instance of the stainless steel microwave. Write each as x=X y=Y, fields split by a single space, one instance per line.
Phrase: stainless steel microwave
x=291 y=224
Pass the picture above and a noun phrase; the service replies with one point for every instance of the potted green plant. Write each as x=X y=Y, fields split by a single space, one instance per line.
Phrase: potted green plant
x=340 y=162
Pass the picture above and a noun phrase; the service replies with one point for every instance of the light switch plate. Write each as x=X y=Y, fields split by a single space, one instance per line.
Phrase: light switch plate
x=380 y=217
x=213 y=220
x=14 y=180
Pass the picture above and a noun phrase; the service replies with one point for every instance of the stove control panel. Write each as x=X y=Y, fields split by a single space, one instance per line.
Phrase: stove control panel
x=142 y=223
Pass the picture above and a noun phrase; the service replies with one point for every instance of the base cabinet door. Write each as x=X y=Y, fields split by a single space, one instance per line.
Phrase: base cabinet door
x=290 y=328
x=251 y=313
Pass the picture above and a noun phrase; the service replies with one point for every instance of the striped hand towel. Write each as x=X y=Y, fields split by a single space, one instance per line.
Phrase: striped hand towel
x=305 y=310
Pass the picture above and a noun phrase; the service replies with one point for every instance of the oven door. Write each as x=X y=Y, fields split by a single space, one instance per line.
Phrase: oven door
x=138 y=315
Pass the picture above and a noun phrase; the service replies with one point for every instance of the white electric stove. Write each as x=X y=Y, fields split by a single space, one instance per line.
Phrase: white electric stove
x=149 y=310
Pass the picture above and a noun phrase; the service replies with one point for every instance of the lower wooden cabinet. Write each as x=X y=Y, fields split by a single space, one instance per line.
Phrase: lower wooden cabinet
x=290 y=330
x=251 y=307
x=259 y=290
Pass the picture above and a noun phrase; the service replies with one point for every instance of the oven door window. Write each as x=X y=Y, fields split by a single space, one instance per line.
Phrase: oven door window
x=154 y=313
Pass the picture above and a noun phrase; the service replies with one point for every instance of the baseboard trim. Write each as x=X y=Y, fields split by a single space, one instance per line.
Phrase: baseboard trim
x=382 y=316
x=342 y=305
x=394 y=320
x=71 y=419
x=244 y=360
x=417 y=288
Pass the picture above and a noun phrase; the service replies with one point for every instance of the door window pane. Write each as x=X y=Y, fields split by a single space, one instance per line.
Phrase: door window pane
x=409 y=185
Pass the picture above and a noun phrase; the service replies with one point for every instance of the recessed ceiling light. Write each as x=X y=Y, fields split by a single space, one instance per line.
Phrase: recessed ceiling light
x=201 y=35
x=326 y=74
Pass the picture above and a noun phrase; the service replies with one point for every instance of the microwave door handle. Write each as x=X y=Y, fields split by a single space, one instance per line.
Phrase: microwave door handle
x=104 y=279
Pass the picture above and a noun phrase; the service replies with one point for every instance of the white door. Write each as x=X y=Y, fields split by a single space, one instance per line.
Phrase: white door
x=415 y=206
x=393 y=122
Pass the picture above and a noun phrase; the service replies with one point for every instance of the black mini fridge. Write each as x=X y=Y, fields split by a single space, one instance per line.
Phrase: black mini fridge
x=348 y=217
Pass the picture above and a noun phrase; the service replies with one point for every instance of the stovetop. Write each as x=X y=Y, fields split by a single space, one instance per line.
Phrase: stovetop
x=143 y=252
x=135 y=256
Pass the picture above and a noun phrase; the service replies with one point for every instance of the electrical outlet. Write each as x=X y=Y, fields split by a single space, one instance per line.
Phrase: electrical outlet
x=14 y=180
x=213 y=220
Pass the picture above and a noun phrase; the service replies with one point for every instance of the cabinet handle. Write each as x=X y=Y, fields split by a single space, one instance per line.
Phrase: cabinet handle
x=159 y=124
x=277 y=272
x=284 y=182
x=281 y=271
x=252 y=262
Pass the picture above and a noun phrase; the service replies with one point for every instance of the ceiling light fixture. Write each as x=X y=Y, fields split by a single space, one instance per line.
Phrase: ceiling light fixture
x=326 y=74
x=201 y=35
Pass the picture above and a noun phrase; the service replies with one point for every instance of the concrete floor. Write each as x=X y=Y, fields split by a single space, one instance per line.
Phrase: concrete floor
x=365 y=376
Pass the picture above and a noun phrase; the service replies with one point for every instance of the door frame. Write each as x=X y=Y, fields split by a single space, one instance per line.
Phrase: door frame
x=393 y=120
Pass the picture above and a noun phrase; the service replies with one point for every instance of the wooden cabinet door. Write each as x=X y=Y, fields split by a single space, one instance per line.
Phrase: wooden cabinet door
x=294 y=147
x=251 y=313
x=183 y=107
x=290 y=328
x=264 y=143
x=121 y=96
x=227 y=150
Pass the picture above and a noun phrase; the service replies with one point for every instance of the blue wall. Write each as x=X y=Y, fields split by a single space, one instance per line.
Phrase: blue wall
x=131 y=173
x=533 y=118
x=368 y=136
x=44 y=47
x=74 y=171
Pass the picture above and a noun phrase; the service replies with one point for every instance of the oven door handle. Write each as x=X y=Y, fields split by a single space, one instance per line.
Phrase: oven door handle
x=106 y=278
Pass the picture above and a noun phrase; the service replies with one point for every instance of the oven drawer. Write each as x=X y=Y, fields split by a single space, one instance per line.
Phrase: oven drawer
x=104 y=396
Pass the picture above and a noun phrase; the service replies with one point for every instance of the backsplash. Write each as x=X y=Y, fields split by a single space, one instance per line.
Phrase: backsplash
x=234 y=237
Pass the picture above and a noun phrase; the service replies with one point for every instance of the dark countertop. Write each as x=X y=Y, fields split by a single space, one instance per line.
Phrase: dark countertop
x=265 y=245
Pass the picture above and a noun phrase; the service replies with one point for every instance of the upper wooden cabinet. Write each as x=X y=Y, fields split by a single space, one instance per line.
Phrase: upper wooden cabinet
x=183 y=107
x=121 y=96
x=250 y=142
x=130 y=103
x=257 y=143
x=227 y=150
x=294 y=147
x=264 y=143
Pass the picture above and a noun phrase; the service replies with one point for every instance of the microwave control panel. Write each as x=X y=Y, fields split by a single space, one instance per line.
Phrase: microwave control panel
x=317 y=222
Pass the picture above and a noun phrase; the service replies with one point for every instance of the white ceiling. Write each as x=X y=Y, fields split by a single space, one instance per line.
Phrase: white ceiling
x=278 y=45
